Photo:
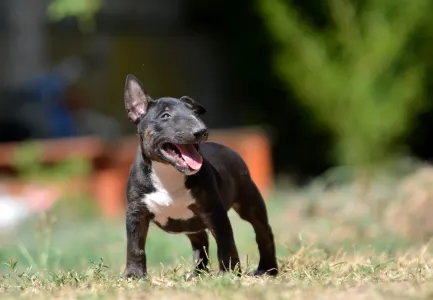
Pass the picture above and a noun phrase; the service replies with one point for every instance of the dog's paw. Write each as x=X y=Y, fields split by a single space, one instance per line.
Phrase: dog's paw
x=134 y=273
x=261 y=272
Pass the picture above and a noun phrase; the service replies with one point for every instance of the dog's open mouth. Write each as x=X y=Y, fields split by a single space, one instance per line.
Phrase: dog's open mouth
x=184 y=155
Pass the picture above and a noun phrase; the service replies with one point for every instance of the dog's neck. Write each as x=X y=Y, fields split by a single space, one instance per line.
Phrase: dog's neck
x=158 y=173
x=145 y=164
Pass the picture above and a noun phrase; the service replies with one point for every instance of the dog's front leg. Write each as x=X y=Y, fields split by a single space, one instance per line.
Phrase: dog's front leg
x=217 y=221
x=137 y=226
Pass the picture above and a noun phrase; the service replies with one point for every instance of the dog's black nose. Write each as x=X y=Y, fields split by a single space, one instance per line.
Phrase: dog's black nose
x=201 y=134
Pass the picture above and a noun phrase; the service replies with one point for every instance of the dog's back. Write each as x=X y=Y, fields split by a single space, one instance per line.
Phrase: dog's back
x=224 y=159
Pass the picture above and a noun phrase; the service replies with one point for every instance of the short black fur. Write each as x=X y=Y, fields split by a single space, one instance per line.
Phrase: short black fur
x=222 y=182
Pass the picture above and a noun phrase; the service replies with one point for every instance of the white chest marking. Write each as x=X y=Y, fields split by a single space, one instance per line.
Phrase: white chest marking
x=171 y=199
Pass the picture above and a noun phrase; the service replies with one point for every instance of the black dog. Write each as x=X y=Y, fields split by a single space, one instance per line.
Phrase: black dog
x=215 y=178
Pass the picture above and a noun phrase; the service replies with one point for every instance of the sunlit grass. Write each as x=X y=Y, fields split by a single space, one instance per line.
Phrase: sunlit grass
x=333 y=243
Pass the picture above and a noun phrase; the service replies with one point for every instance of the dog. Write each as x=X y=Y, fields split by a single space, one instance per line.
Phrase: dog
x=214 y=179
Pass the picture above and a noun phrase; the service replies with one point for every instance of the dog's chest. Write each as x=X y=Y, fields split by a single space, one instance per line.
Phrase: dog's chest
x=171 y=199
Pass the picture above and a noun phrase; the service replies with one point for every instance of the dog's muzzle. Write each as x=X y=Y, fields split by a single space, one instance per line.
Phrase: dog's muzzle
x=201 y=135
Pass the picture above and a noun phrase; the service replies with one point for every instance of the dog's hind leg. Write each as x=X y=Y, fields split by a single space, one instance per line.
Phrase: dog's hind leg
x=200 y=250
x=251 y=207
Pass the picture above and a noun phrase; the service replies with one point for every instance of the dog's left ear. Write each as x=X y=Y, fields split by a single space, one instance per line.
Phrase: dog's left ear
x=136 y=99
x=195 y=106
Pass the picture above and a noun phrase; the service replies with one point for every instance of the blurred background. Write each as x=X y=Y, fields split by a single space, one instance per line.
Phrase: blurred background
x=328 y=101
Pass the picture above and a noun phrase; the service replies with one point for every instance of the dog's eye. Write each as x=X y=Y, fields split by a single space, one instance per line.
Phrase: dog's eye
x=165 y=116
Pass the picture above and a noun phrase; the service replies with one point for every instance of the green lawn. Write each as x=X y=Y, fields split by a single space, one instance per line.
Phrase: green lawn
x=336 y=248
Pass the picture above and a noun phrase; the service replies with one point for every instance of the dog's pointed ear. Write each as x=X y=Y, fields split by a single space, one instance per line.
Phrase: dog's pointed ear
x=136 y=99
x=194 y=105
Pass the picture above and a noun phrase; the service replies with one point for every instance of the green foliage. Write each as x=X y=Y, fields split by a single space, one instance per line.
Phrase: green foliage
x=83 y=10
x=358 y=77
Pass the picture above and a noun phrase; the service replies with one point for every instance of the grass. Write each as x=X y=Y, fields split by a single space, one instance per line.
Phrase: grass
x=333 y=243
x=304 y=274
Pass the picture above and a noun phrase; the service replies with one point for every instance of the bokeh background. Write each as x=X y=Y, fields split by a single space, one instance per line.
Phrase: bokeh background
x=328 y=101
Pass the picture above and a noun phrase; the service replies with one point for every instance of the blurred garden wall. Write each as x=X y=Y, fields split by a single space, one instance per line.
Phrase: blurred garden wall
x=225 y=55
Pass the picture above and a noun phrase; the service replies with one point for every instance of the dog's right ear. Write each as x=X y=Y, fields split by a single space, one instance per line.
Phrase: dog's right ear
x=136 y=99
x=194 y=105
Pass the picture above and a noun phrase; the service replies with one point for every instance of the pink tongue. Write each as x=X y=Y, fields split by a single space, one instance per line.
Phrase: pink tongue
x=191 y=156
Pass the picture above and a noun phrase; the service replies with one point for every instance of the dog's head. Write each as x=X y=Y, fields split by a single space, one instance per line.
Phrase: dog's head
x=170 y=129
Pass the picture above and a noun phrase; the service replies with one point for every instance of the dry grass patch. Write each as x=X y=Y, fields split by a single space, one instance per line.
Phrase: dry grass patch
x=308 y=273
